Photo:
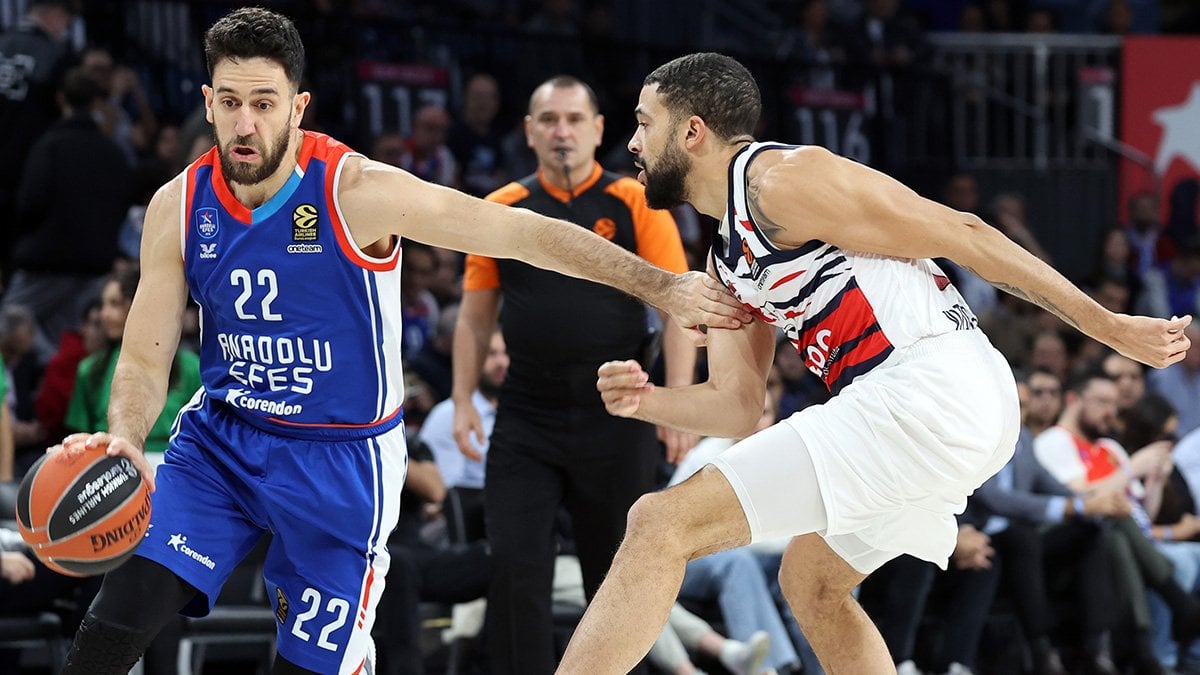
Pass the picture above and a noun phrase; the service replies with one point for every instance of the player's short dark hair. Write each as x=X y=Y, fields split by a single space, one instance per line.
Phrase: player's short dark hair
x=254 y=32
x=714 y=87
x=565 y=81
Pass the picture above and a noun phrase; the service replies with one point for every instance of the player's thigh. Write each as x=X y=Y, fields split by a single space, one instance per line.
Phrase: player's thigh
x=775 y=483
x=199 y=528
x=813 y=573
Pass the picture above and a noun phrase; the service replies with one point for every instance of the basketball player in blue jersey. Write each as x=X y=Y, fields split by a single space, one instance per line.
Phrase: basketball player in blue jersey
x=836 y=256
x=289 y=241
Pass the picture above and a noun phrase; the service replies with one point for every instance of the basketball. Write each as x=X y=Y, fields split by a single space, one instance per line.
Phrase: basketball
x=83 y=514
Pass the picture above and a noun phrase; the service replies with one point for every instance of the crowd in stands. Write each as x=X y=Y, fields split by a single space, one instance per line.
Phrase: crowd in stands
x=1087 y=543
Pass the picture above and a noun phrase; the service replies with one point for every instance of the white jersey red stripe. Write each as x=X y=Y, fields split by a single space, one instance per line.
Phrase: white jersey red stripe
x=844 y=311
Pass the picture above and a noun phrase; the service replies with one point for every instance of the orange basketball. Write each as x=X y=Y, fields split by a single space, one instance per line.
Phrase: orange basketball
x=83 y=514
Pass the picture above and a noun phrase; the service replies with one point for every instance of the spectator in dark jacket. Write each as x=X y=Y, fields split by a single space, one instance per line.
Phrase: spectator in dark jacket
x=70 y=205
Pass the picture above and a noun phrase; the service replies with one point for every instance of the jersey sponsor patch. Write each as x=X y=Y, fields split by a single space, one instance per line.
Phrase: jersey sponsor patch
x=207 y=222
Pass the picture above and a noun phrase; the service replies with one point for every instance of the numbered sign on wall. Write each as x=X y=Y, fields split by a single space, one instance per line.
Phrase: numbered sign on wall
x=834 y=119
x=390 y=93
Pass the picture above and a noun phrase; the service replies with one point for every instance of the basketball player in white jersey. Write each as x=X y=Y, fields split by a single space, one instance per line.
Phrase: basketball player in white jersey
x=835 y=255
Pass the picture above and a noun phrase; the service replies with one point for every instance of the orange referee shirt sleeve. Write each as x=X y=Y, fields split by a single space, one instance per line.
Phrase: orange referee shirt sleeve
x=480 y=272
x=657 y=235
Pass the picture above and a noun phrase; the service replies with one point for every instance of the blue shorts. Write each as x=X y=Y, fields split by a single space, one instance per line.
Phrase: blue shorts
x=329 y=504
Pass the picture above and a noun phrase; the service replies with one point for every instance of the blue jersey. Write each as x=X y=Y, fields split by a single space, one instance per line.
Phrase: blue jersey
x=300 y=329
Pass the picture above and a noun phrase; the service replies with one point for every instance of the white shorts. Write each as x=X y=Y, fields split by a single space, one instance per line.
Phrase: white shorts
x=894 y=455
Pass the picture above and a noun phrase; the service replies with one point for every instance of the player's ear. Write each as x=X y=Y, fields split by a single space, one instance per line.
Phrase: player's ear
x=208 y=102
x=697 y=131
x=299 y=102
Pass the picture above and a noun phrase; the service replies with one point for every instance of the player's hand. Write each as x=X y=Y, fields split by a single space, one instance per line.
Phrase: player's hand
x=118 y=446
x=468 y=427
x=1154 y=342
x=696 y=299
x=16 y=568
x=678 y=443
x=622 y=385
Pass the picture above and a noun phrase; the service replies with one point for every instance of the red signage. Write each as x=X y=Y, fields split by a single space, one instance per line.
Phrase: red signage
x=1160 y=114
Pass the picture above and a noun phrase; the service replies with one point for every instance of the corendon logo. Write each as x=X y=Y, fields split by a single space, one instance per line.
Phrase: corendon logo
x=818 y=356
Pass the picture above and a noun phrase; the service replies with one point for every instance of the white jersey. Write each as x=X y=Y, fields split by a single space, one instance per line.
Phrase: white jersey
x=844 y=311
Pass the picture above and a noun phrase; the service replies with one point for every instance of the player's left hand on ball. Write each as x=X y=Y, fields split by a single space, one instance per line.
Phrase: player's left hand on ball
x=622 y=385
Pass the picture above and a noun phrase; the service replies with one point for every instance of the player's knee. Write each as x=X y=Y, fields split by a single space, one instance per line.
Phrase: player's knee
x=105 y=647
x=649 y=523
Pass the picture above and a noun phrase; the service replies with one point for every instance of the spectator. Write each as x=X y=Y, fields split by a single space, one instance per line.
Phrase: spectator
x=446 y=285
x=1180 y=384
x=432 y=362
x=420 y=310
x=801 y=388
x=895 y=598
x=1173 y=288
x=1044 y=401
x=685 y=629
x=437 y=433
x=1080 y=454
x=28 y=587
x=1148 y=423
x=1007 y=212
x=425 y=153
x=883 y=38
x=1037 y=527
x=1144 y=232
x=35 y=54
x=24 y=373
x=58 y=380
x=962 y=193
x=1130 y=377
x=88 y=408
x=812 y=42
x=476 y=140
x=123 y=91
x=74 y=189
x=1049 y=352
x=420 y=571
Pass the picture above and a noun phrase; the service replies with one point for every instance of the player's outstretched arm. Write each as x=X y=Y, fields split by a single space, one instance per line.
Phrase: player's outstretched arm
x=857 y=208
x=139 y=386
x=728 y=405
x=380 y=201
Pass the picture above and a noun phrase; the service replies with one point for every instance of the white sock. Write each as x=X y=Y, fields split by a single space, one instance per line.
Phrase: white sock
x=745 y=658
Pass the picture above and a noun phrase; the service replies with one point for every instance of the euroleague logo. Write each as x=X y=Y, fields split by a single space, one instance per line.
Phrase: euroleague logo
x=304 y=229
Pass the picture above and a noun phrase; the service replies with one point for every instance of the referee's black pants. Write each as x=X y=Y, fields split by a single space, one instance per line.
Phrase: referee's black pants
x=592 y=463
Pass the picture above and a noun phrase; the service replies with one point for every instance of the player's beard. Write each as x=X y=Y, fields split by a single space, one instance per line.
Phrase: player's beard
x=244 y=173
x=666 y=184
